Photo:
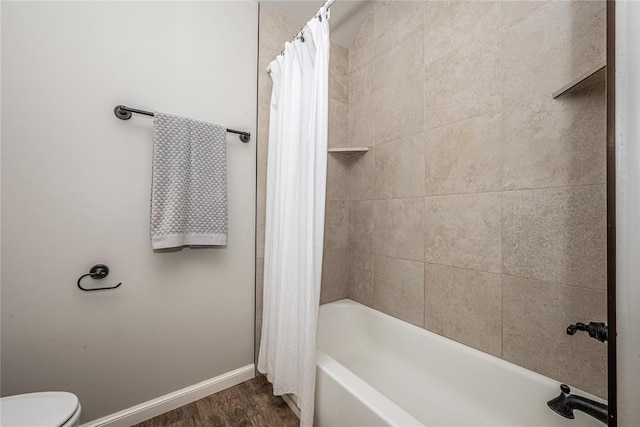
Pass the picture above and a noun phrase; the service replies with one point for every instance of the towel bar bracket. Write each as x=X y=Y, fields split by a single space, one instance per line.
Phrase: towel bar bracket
x=122 y=114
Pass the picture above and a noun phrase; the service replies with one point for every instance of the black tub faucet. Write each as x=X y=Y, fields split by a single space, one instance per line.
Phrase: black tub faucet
x=596 y=330
x=566 y=403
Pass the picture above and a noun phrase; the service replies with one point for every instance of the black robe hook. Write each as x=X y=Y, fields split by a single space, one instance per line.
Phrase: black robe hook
x=98 y=271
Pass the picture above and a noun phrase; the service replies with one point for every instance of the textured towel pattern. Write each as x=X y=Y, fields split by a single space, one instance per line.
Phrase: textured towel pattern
x=189 y=186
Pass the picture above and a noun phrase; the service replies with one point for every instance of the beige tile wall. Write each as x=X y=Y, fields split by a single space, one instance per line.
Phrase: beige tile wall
x=275 y=29
x=335 y=265
x=479 y=211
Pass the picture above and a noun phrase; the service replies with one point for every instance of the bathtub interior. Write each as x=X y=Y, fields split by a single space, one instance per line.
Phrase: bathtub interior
x=436 y=380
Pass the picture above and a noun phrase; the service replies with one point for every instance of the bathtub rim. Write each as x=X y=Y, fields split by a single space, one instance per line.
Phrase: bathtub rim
x=375 y=401
x=538 y=378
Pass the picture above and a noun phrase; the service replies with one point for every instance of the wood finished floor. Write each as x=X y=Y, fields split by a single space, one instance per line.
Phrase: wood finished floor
x=250 y=404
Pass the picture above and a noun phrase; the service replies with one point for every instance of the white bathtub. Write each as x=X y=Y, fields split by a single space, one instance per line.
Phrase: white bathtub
x=376 y=370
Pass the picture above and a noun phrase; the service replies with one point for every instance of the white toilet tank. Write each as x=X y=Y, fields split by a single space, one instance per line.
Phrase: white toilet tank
x=47 y=409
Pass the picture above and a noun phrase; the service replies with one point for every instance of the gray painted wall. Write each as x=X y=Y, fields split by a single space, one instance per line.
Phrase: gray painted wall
x=75 y=192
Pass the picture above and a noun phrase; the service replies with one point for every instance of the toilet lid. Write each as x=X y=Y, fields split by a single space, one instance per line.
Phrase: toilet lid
x=48 y=409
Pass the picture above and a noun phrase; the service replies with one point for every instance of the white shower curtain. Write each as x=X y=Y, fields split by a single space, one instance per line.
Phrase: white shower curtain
x=296 y=187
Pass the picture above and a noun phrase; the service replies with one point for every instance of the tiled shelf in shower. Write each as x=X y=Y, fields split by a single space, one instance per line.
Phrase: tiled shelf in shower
x=349 y=150
x=592 y=78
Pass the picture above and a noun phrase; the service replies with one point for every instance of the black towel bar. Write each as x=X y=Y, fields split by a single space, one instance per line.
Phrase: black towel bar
x=124 y=113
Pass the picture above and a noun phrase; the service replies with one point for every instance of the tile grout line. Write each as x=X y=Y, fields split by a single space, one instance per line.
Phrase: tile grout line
x=373 y=162
x=424 y=177
x=424 y=266
x=374 y=254
x=349 y=286
x=502 y=326
x=480 y=192
x=552 y=283
x=522 y=18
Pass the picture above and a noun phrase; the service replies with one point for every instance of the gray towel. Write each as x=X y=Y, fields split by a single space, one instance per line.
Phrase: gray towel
x=189 y=185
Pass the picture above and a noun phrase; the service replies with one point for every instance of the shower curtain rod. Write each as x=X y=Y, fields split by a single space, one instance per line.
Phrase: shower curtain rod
x=326 y=5
x=124 y=113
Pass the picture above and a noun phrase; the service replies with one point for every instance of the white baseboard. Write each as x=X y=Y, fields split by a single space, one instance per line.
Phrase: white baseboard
x=292 y=403
x=171 y=401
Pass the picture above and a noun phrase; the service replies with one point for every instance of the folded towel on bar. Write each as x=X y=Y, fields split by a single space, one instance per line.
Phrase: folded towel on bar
x=189 y=184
